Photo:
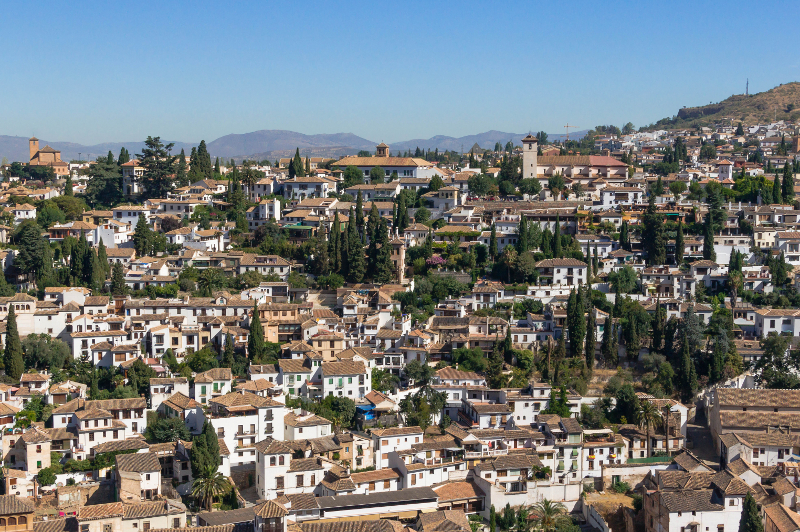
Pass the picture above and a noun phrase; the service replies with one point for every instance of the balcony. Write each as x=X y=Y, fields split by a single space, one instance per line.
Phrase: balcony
x=485 y=454
x=245 y=433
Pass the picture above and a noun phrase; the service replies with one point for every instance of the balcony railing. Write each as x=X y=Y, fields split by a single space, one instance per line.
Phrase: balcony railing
x=482 y=454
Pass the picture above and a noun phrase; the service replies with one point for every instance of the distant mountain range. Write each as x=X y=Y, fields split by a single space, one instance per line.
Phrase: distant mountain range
x=272 y=144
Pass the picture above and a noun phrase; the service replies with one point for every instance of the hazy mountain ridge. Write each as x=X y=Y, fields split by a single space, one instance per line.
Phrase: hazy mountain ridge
x=272 y=144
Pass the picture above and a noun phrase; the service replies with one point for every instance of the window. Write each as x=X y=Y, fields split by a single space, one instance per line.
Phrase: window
x=107 y=527
x=146 y=525
x=147 y=476
x=84 y=528
x=176 y=523
x=299 y=481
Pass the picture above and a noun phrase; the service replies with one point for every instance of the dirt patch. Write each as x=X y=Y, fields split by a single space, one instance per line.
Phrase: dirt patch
x=608 y=501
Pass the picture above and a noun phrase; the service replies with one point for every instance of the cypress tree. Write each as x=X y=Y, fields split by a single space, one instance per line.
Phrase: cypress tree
x=321 y=258
x=383 y=270
x=577 y=333
x=12 y=355
x=688 y=374
x=708 y=241
x=68 y=186
x=679 y=245
x=522 y=235
x=596 y=261
x=557 y=239
x=141 y=237
x=103 y=256
x=118 y=286
x=777 y=190
x=193 y=166
x=788 y=183
x=591 y=339
x=493 y=243
x=605 y=343
x=204 y=169
x=298 y=164
x=751 y=519
x=373 y=221
x=624 y=242
x=217 y=171
x=360 y=216
x=255 y=340
x=110 y=158
x=227 y=352
x=308 y=166
x=494 y=374
x=356 y=267
x=659 y=323
x=124 y=156
x=334 y=250
x=402 y=214
x=98 y=280
x=547 y=243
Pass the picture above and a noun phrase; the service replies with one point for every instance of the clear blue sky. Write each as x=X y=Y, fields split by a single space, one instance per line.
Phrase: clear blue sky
x=119 y=71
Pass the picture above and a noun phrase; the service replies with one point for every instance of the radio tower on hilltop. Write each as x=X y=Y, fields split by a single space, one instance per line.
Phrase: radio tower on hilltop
x=747 y=88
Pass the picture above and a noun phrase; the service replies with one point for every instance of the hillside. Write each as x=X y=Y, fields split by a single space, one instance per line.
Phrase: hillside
x=281 y=142
x=779 y=103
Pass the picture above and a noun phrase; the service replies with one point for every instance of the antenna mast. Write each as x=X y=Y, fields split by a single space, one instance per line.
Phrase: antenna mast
x=747 y=88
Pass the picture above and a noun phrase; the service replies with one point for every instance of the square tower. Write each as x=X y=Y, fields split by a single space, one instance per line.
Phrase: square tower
x=33 y=147
x=530 y=149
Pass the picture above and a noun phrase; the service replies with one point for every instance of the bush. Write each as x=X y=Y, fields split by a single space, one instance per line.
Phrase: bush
x=637 y=501
x=621 y=487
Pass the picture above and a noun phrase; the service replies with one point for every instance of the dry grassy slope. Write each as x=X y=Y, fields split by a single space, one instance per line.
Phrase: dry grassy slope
x=779 y=103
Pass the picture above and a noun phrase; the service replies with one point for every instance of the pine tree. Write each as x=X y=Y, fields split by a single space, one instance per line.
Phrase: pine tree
x=12 y=354
x=256 y=350
x=118 y=286
x=493 y=243
x=751 y=518
x=228 y=352
x=557 y=239
x=68 y=186
x=679 y=245
x=141 y=237
x=356 y=266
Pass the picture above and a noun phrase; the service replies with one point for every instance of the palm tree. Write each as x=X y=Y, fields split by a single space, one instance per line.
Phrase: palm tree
x=211 y=484
x=648 y=416
x=509 y=258
x=548 y=514
x=210 y=280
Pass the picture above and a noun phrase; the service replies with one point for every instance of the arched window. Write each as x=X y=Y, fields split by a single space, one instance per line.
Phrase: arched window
x=2 y=521
x=23 y=520
x=12 y=521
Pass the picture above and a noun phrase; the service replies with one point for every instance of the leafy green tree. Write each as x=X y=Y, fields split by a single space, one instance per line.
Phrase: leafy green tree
x=211 y=280
x=167 y=430
x=559 y=405
x=436 y=183
x=384 y=381
x=352 y=176
x=623 y=280
x=43 y=352
x=377 y=175
x=13 y=361
x=157 y=164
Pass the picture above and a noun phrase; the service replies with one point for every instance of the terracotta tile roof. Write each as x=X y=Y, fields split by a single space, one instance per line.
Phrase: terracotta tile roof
x=138 y=462
x=68 y=524
x=100 y=511
x=309 y=420
x=374 y=476
x=453 y=491
x=343 y=368
x=396 y=431
x=179 y=402
x=273 y=446
x=268 y=509
x=151 y=509
x=215 y=374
